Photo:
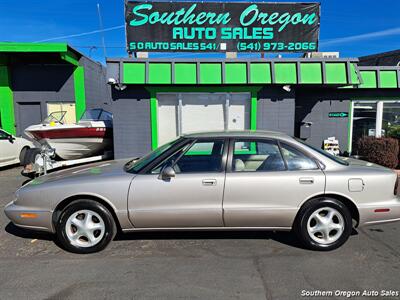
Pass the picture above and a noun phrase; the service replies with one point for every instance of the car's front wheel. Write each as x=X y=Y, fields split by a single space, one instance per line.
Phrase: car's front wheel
x=85 y=226
x=323 y=224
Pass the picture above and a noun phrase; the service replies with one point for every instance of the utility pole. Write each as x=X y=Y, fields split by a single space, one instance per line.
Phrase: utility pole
x=102 y=30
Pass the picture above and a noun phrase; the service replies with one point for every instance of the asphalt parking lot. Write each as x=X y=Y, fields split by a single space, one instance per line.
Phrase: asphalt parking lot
x=235 y=265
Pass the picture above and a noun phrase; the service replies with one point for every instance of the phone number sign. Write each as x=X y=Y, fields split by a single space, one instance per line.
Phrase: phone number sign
x=222 y=26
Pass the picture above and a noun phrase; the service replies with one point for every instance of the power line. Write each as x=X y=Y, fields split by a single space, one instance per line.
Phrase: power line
x=81 y=34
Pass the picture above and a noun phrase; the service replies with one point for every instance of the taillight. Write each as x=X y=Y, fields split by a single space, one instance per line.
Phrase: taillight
x=396 y=185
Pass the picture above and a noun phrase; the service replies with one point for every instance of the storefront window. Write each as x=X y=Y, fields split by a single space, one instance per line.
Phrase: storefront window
x=368 y=118
x=364 y=121
x=391 y=119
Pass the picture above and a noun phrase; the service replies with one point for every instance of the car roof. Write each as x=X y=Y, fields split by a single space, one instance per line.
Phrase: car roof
x=237 y=133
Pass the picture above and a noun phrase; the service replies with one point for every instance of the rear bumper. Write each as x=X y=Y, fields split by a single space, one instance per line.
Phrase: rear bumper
x=385 y=212
x=29 y=218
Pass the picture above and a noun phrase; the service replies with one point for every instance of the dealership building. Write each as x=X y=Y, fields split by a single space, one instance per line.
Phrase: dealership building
x=315 y=96
x=37 y=79
x=311 y=98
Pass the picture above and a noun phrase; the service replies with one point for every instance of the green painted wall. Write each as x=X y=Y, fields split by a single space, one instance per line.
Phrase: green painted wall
x=6 y=101
x=80 y=95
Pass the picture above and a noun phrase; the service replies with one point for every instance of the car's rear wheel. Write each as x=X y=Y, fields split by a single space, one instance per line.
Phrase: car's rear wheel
x=85 y=226
x=323 y=224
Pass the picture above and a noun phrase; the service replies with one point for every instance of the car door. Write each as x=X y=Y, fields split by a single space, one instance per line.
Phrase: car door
x=266 y=181
x=7 y=149
x=192 y=198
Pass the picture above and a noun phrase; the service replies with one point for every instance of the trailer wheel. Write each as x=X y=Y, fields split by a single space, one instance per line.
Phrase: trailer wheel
x=22 y=155
x=30 y=156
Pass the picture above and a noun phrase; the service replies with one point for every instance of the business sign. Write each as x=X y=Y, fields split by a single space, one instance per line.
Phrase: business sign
x=341 y=114
x=221 y=26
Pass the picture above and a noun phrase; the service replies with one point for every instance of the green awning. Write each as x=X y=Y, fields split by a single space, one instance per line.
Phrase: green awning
x=301 y=71
x=338 y=72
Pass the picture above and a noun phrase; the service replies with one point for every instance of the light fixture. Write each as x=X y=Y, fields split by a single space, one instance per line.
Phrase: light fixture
x=120 y=87
x=112 y=81
x=287 y=88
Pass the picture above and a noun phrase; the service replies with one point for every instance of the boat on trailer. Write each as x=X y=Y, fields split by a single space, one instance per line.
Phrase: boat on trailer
x=92 y=135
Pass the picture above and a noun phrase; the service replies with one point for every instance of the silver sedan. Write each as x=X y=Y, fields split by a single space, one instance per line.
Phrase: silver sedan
x=211 y=181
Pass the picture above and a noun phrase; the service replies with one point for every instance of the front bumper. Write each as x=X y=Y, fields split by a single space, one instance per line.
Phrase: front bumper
x=385 y=212
x=29 y=218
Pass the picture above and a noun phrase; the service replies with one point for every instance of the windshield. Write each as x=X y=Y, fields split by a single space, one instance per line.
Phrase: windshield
x=57 y=116
x=324 y=153
x=96 y=114
x=135 y=166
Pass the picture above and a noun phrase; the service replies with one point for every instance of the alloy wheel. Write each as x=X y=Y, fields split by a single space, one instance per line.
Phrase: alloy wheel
x=85 y=228
x=325 y=225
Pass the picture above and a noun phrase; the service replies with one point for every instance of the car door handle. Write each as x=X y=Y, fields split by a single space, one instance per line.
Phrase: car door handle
x=306 y=180
x=209 y=182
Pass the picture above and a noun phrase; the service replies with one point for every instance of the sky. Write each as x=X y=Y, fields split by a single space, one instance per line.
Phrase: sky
x=352 y=27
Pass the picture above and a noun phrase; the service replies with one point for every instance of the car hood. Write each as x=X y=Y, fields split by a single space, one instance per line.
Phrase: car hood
x=84 y=172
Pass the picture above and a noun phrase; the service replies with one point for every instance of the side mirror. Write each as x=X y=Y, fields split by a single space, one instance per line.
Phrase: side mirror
x=167 y=173
x=11 y=139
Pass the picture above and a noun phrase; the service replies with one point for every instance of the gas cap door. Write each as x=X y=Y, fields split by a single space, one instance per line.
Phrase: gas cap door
x=356 y=185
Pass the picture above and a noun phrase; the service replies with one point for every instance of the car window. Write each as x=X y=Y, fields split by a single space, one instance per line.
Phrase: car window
x=170 y=161
x=200 y=157
x=142 y=162
x=3 y=135
x=324 y=153
x=297 y=160
x=257 y=156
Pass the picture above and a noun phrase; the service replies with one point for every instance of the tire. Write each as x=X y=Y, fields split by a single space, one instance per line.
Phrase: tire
x=30 y=156
x=85 y=226
x=323 y=224
x=22 y=155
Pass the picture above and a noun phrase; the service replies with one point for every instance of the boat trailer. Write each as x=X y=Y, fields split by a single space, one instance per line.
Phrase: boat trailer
x=40 y=161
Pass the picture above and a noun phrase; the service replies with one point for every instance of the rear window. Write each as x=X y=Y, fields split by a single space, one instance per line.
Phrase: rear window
x=324 y=153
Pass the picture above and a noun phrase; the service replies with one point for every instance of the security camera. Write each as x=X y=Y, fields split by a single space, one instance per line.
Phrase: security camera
x=112 y=81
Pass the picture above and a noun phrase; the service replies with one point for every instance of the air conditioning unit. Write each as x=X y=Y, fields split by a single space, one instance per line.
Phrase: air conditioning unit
x=321 y=55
